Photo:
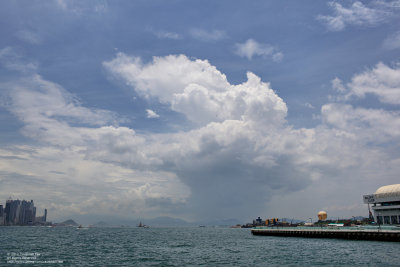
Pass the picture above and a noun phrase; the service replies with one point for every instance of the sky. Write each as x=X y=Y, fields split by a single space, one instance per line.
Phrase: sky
x=199 y=109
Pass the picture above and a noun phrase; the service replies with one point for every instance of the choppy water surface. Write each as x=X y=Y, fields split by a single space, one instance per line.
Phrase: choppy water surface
x=65 y=246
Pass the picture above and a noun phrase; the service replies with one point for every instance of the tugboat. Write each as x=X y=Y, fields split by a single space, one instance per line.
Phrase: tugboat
x=142 y=225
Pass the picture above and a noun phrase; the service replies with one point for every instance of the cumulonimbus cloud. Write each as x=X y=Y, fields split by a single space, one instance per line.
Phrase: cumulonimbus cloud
x=240 y=153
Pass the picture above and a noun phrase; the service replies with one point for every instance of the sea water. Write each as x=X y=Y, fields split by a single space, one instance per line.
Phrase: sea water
x=205 y=246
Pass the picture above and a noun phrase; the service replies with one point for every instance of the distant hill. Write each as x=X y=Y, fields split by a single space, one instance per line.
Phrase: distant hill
x=69 y=222
x=166 y=221
x=101 y=224
x=169 y=222
x=223 y=222
x=162 y=221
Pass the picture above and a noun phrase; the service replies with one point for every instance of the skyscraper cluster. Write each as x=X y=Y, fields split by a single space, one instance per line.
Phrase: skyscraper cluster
x=17 y=212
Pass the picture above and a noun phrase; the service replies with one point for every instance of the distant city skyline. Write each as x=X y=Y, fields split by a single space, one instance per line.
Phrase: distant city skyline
x=20 y=212
x=199 y=109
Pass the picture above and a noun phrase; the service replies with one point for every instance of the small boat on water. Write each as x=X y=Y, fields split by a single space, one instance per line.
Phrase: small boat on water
x=142 y=225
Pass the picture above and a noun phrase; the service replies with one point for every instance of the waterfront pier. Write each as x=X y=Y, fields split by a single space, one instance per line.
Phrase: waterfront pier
x=348 y=233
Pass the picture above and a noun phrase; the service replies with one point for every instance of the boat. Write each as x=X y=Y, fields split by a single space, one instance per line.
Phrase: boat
x=142 y=225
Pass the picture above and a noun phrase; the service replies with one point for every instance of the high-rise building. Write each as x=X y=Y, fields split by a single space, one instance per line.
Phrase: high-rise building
x=20 y=212
x=2 y=217
x=27 y=213
x=12 y=211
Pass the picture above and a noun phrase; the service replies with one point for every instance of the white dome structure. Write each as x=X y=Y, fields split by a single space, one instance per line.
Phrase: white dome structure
x=385 y=204
x=388 y=191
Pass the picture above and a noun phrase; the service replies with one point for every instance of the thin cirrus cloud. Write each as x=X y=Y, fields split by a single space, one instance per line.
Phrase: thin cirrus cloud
x=168 y=35
x=252 y=48
x=79 y=7
x=162 y=34
x=357 y=14
x=11 y=59
x=207 y=36
x=392 y=41
x=29 y=37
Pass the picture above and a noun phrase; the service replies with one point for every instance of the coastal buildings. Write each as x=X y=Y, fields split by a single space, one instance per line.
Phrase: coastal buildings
x=42 y=219
x=385 y=203
x=17 y=212
x=2 y=217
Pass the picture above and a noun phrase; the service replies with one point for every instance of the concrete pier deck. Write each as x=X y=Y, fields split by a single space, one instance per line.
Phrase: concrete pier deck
x=353 y=233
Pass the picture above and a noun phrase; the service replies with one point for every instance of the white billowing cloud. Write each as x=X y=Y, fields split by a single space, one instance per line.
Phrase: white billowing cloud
x=207 y=36
x=381 y=81
x=252 y=100
x=152 y=114
x=357 y=14
x=392 y=41
x=166 y=76
x=366 y=124
x=252 y=48
x=198 y=90
x=376 y=126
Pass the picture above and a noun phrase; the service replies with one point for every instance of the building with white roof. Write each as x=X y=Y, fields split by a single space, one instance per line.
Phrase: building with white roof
x=385 y=204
